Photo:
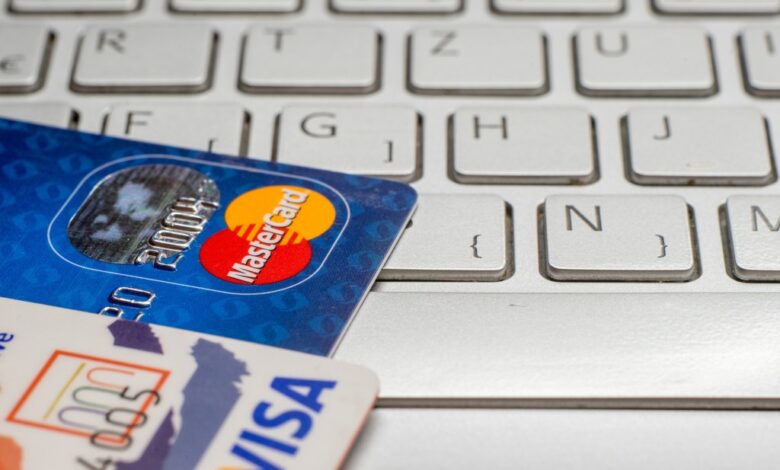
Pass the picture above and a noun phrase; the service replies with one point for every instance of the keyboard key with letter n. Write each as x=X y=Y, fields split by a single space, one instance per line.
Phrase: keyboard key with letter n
x=618 y=238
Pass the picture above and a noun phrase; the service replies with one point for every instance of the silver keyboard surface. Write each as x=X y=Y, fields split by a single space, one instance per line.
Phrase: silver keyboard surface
x=562 y=148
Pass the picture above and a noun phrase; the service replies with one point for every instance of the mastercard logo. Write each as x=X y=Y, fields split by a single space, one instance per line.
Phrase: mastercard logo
x=268 y=234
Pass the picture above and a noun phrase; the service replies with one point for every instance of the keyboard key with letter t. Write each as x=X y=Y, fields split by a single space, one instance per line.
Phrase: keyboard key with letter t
x=24 y=52
x=478 y=60
x=376 y=140
x=523 y=146
x=341 y=59
x=753 y=229
x=644 y=61
x=151 y=58
x=453 y=238
x=618 y=238
x=698 y=146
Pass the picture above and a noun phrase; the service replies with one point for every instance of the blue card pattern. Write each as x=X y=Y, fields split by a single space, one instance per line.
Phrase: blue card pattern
x=248 y=249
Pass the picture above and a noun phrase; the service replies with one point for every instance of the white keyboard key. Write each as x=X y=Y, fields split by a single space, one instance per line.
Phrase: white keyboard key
x=375 y=140
x=217 y=128
x=261 y=133
x=396 y=6
x=47 y=114
x=644 y=61
x=754 y=237
x=478 y=60
x=311 y=59
x=591 y=7
x=74 y=6
x=618 y=238
x=523 y=146
x=662 y=350
x=165 y=58
x=24 y=50
x=453 y=238
x=235 y=6
x=747 y=7
x=761 y=59
x=701 y=146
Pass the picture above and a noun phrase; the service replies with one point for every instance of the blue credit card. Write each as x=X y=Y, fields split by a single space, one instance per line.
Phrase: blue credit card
x=260 y=251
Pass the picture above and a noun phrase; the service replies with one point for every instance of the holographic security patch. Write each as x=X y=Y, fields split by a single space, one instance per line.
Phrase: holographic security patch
x=253 y=250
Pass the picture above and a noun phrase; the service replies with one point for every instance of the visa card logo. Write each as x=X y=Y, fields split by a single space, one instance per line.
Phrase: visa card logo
x=268 y=235
x=281 y=425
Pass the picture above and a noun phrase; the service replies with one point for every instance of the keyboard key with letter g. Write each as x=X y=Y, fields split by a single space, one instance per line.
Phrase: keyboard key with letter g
x=367 y=140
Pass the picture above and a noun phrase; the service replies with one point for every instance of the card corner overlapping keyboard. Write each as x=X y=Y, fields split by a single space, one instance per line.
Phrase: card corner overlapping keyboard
x=106 y=394
x=248 y=249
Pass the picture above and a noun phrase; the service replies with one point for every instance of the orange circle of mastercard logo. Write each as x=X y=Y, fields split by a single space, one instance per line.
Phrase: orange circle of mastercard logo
x=267 y=235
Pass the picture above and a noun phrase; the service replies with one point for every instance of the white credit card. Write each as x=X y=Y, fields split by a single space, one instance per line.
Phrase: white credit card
x=89 y=392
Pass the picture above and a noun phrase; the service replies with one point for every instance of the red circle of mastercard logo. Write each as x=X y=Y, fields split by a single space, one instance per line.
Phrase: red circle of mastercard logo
x=267 y=235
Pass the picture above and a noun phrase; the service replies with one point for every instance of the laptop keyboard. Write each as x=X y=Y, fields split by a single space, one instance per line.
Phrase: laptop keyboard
x=619 y=147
